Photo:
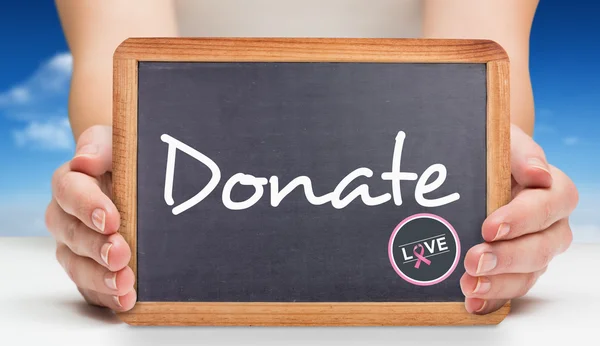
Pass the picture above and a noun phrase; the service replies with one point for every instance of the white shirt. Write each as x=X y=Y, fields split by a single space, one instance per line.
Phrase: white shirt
x=299 y=18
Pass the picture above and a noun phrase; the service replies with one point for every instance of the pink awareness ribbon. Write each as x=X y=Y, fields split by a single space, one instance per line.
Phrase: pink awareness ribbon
x=420 y=256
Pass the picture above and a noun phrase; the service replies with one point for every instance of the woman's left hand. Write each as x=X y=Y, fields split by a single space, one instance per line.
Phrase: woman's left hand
x=523 y=236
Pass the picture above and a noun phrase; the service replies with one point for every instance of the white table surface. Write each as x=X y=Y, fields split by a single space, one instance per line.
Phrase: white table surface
x=39 y=306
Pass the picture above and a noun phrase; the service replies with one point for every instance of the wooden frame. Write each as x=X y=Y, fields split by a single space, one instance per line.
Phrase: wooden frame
x=125 y=69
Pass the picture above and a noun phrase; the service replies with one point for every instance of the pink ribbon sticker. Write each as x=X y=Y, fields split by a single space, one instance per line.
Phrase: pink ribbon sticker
x=420 y=256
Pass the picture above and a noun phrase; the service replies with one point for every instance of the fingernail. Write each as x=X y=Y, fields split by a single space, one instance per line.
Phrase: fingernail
x=104 y=252
x=482 y=306
x=117 y=301
x=487 y=262
x=110 y=280
x=98 y=219
x=502 y=231
x=483 y=285
x=88 y=149
x=537 y=163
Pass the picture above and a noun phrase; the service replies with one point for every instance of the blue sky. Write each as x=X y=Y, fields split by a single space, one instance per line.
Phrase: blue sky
x=35 y=138
x=34 y=135
x=564 y=50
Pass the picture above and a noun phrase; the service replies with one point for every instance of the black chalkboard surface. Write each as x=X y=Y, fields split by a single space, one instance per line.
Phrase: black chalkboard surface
x=277 y=180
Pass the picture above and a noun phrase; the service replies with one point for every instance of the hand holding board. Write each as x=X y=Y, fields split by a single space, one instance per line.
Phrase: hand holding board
x=307 y=181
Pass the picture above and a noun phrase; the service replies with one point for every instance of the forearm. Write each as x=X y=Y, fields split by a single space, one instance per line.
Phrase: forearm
x=93 y=30
x=90 y=98
x=508 y=22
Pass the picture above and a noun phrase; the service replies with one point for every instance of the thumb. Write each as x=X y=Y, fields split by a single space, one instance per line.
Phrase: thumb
x=528 y=162
x=93 y=154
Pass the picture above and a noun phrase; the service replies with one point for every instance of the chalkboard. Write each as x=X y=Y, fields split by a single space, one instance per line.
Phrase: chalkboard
x=266 y=179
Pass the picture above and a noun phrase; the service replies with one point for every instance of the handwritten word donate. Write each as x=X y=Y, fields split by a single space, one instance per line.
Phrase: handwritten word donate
x=395 y=176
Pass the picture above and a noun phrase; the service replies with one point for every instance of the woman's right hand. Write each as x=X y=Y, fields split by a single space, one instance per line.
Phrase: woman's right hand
x=84 y=221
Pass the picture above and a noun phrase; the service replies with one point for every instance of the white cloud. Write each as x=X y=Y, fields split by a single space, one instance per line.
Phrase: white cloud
x=54 y=134
x=50 y=80
x=570 y=140
x=55 y=75
x=62 y=62
x=16 y=95
x=37 y=106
